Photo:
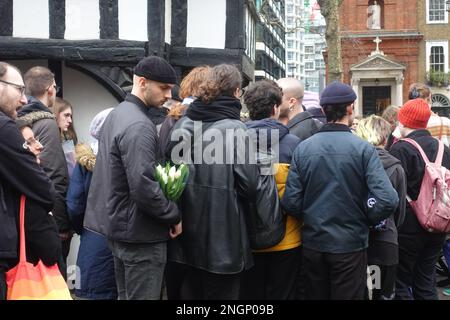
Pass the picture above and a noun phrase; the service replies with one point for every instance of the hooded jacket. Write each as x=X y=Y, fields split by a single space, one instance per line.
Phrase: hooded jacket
x=286 y=145
x=396 y=175
x=19 y=174
x=95 y=260
x=52 y=156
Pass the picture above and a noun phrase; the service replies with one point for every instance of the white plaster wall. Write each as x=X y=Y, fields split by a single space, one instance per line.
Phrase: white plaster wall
x=133 y=20
x=88 y=97
x=82 y=19
x=30 y=19
x=206 y=24
x=168 y=21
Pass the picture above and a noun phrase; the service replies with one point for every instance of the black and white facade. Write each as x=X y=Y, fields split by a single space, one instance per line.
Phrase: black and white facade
x=92 y=45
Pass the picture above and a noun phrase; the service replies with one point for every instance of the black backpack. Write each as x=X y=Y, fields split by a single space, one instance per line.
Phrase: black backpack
x=266 y=221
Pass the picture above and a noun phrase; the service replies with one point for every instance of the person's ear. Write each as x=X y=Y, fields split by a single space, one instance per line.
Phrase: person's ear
x=274 y=110
x=142 y=82
x=350 y=109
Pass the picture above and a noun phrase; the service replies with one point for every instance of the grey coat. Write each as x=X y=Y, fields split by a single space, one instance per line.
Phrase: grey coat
x=52 y=157
x=125 y=202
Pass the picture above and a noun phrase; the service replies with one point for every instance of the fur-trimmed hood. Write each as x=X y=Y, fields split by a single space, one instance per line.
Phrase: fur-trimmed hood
x=85 y=156
x=35 y=111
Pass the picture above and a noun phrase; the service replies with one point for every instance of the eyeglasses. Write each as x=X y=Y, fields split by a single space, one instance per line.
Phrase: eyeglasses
x=17 y=86
x=55 y=87
x=30 y=142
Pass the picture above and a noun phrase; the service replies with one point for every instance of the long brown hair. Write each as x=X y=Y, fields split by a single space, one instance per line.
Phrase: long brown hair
x=223 y=80
x=60 y=106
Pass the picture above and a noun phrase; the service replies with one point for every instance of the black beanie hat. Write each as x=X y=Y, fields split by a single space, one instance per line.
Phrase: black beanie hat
x=156 y=69
x=337 y=93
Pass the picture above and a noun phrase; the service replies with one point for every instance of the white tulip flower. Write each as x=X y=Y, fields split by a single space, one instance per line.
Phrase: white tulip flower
x=164 y=177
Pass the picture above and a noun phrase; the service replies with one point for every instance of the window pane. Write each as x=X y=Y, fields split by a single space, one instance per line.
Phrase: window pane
x=436 y=10
x=437 y=62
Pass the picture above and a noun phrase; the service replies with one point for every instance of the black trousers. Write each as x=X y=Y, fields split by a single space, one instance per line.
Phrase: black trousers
x=203 y=285
x=174 y=276
x=2 y=285
x=416 y=272
x=335 y=276
x=387 y=288
x=273 y=277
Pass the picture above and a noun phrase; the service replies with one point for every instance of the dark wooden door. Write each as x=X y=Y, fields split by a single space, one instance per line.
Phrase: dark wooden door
x=376 y=99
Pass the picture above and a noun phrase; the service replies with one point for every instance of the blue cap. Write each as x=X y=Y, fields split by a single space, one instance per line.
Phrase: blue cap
x=337 y=93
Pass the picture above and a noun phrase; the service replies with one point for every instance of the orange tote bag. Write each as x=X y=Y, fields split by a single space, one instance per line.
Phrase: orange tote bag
x=29 y=282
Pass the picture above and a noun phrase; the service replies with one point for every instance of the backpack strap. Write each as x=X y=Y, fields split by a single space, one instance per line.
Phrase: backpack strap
x=418 y=147
x=440 y=153
x=439 y=156
x=441 y=128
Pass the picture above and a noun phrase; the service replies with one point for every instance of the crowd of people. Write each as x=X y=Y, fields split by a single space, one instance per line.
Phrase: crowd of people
x=340 y=184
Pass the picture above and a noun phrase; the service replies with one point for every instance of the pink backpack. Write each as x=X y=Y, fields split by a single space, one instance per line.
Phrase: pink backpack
x=432 y=207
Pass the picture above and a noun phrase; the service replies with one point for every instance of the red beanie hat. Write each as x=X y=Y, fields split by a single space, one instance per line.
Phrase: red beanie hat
x=415 y=114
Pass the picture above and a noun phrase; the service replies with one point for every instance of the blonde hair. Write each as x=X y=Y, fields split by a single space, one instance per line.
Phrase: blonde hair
x=374 y=130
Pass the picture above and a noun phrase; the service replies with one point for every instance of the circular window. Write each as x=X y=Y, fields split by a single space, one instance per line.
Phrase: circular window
x=439 y=100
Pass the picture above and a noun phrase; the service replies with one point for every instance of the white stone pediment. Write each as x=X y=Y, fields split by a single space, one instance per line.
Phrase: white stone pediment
x=377 y=62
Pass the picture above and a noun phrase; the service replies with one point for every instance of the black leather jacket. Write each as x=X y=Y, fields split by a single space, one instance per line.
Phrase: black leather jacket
x=214 y=234
x=303 y=125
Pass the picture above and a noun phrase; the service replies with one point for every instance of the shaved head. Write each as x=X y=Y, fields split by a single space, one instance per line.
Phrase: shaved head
x=292 y=88
x=291 y=103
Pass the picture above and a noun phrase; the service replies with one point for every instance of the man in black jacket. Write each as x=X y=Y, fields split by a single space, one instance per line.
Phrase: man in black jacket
x=19 y=171
x=42 y=89
x=418 y=249
x=292 y=113
x=125 y=202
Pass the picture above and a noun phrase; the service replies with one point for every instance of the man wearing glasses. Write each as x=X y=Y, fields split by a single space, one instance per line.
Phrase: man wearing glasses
x=41 y=89
x=19 y=171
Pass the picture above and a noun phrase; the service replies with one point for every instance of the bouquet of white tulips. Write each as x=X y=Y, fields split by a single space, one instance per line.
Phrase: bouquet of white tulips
x=172 y=180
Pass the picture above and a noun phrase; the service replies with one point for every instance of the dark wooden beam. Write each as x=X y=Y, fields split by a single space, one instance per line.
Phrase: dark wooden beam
x=235 y=33
x=179 y=23
x=109 y=19
x=156 y=27
x=192 y=57
x=84 y=50
x=57 y=16
x=56 y=67
x=6 y=22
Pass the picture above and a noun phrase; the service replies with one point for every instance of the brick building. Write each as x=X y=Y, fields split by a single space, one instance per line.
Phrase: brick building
x=433 y=53
x=380 y=51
